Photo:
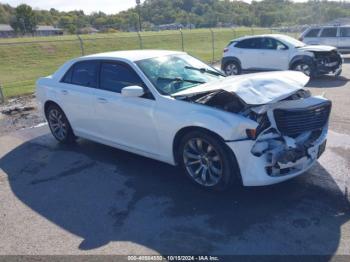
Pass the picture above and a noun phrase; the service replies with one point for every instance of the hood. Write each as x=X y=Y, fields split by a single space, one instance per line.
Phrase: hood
x=255 y=89
x=317 y=48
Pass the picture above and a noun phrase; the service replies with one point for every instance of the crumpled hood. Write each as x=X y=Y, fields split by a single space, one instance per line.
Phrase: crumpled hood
x=256 y=89
x=317 y=48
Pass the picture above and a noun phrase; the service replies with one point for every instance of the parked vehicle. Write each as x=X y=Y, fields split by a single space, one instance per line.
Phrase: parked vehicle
x=259 y=129
x=279 y=52
x=338 y=36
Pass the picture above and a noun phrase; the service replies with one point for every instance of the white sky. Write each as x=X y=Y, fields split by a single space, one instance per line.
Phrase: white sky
x=106 y=6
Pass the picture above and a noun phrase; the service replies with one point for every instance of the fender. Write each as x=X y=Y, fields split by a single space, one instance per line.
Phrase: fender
x=301 y=58
x=227 y=59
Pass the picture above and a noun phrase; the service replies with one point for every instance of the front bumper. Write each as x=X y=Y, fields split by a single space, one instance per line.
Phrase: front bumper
x=253 y=169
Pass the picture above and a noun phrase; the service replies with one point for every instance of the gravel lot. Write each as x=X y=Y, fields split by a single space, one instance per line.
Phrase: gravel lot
x=93 y=199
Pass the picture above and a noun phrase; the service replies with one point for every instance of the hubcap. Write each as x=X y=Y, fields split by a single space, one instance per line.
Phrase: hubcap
x=202 y=162
x=57 y=124
x=231 y=69
x=304 y=68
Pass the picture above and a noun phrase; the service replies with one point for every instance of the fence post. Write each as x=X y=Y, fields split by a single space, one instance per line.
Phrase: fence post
x=81 y=45
x=182 y=40
x=212 y=44
x=234 y=33
x=140 y=39
x=2 y=96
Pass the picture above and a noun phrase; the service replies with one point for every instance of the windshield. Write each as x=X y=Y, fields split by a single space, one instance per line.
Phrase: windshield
x=292 y=41
x=174 y=73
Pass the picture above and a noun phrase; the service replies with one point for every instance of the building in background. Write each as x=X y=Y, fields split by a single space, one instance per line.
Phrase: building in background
x=47 y=30
x=6 y=31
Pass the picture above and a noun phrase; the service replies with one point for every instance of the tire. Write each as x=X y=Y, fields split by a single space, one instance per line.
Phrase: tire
x=232 y=68
x=59 y=125
x=207 y=161
x=304 y=67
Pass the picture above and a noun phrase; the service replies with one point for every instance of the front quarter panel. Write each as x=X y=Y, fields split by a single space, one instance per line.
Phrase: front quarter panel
x=174 y=115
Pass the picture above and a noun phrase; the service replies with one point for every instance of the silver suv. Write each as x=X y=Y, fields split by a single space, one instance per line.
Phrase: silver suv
x=338 y=36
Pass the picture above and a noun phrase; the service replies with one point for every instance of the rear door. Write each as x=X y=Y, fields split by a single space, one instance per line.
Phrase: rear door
x=76 y=95
x=249 y=53
x=328 y=36
x=344 y=39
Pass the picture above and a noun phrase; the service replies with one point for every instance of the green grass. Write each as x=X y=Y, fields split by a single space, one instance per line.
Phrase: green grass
x=23 y=60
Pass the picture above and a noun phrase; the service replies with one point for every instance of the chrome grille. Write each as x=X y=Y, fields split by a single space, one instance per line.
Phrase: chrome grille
x=292 y=122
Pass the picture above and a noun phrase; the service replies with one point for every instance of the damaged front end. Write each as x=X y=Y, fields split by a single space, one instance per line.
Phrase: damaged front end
x=295 y=136
x=328 y=62
x=290 y=136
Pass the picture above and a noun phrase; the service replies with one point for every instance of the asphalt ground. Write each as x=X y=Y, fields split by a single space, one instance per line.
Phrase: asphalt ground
x=93 y=199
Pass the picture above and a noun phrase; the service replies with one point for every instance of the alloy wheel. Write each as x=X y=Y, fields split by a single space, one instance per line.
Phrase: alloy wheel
x=305 y=68
x=231 y=69
x=57 y=124
x=202 y=162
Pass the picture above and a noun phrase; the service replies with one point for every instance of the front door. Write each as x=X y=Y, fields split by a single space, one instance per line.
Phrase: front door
x=125 y=121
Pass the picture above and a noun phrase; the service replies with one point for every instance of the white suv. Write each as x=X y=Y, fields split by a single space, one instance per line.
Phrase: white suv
x=338 y=36
x=279 y=52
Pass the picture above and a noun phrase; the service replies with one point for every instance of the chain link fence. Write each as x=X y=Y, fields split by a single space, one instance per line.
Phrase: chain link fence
x=23 y=60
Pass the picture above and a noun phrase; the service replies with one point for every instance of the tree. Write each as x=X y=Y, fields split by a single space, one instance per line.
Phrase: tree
x=24 y=20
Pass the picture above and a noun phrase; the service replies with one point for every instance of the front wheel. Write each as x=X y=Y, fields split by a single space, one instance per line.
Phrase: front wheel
x=305 y=68
x=206 y=161
x=59 y=125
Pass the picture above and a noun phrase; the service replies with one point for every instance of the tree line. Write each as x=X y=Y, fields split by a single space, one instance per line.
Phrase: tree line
x=199 y=13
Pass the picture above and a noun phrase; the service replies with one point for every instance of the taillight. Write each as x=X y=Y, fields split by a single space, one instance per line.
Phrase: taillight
x=225 y=49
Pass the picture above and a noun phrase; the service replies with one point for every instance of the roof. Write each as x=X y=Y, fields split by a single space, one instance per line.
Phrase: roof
x=4 y=27
x=134 y=55
x=47 y=28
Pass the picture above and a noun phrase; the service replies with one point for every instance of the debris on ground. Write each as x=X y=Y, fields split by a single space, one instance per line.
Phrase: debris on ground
x=18 y=113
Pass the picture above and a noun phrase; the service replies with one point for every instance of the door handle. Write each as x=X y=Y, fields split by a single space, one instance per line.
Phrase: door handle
x=64 y=92
x=102 y=100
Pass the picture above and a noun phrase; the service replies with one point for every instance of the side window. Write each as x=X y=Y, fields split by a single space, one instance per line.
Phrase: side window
x=272 y=44
x=251 y=43
x=345 y=31
x=114 y=77
x=85 y=73
x=329 y=32
x=313 y=32
x=67 y=78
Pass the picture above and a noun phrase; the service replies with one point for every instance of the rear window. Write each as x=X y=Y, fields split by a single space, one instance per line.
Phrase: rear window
x=251 y=43
x=313 y=32
x=345 y=31
x=329 y=32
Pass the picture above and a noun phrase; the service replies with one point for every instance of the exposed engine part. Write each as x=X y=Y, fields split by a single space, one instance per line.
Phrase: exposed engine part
x=301 y=94
x=223 y=100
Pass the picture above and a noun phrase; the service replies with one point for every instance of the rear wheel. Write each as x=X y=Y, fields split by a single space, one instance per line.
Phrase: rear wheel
x=232 y=68
x=59 y=125
x=206 y=160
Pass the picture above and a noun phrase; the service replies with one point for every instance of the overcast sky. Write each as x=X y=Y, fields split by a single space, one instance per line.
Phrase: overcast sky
x=107 y=6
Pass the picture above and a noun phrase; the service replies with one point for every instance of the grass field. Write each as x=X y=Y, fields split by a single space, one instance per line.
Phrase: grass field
x=23 y=60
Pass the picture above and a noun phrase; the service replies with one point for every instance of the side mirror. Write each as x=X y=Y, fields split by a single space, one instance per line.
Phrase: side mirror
x=133 y=91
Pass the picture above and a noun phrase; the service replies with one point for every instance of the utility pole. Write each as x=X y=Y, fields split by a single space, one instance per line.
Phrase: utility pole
x=138 y=3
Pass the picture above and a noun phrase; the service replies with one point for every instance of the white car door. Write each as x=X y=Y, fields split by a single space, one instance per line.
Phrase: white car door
x=344 y=38
x=76 y=96
x=274 y=54
x=312 y=37
x=248 y=52
x=125 y=121
x=328 y=36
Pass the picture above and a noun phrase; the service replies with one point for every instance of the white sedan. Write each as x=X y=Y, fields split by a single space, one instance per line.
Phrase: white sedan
x=256 y=129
